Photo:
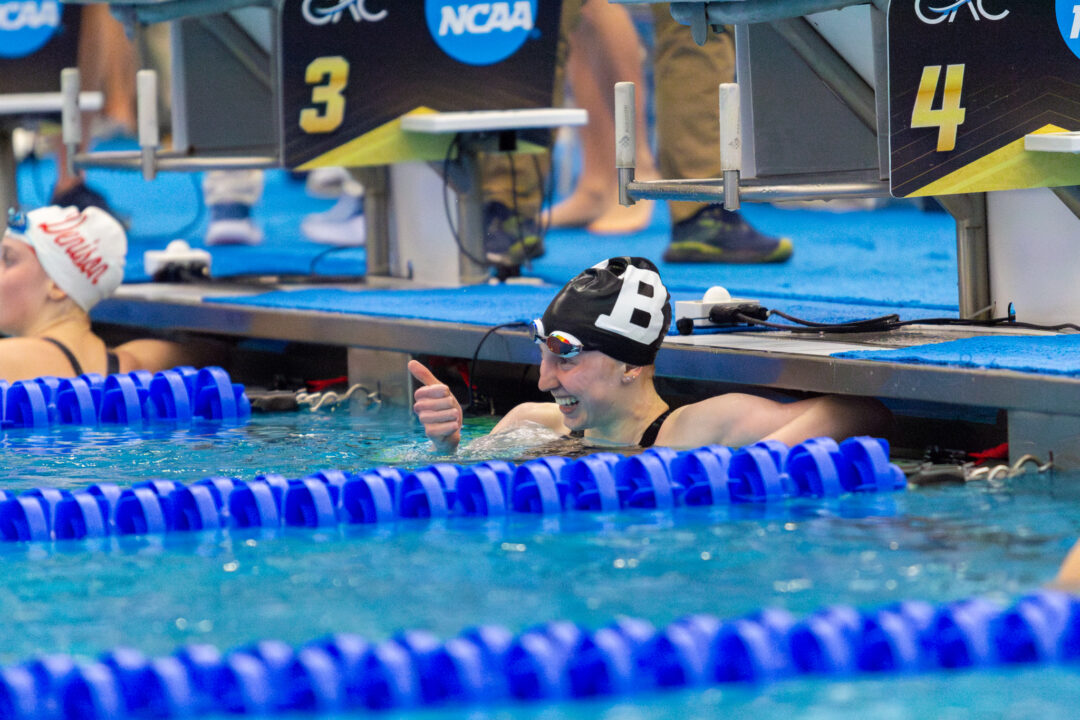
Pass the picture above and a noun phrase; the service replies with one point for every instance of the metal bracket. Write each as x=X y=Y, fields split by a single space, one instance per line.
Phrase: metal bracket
x=694 y=15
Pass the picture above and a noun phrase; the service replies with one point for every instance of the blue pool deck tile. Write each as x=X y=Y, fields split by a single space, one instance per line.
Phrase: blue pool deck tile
x=1046 y=355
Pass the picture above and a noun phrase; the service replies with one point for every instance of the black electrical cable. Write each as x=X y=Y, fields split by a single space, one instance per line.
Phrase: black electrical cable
x=547 y=183
x=892 y=317
x=820 y=329
x=514 y=202
x=890 y=322
x=454 y=230
x=472 y=365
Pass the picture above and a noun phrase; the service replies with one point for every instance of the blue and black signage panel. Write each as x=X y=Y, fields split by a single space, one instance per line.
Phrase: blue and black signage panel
x=968 y=79
x=352 y=68
x=38 y=39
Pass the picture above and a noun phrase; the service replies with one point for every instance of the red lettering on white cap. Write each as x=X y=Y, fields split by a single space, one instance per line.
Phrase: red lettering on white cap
x=83 y=252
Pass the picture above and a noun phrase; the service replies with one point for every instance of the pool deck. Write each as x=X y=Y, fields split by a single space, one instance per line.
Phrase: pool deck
x=1042 y=410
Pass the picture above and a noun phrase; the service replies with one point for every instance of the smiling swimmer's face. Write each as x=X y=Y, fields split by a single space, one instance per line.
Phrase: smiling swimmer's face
x=587 y=387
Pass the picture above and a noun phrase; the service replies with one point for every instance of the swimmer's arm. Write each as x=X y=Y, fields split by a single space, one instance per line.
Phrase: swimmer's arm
x=832 y=416
x=1068 y=576
x=737 y=419
x=546 y=414
x=156 y=355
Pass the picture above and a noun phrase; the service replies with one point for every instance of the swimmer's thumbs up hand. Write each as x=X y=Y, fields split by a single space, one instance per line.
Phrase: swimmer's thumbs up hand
x=422 y=374
x=437 y=409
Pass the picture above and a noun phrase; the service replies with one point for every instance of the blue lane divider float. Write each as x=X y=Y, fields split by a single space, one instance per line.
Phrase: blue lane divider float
x=555 y=661
x=656 y=478
x=182 y=394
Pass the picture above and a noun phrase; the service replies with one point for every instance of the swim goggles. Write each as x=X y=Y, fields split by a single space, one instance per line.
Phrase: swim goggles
x=16 y=220
x=560 y=343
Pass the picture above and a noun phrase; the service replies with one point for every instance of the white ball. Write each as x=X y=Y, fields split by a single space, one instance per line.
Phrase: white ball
x=717 y=294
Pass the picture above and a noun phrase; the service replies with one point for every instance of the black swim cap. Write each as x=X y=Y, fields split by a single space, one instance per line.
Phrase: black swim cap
x=619 y=307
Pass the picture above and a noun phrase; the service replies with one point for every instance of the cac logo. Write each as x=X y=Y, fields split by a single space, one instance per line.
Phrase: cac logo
x=1068 y=18
x=943 y=10
x=480 y=33
x=318 y=12
x=26 y=25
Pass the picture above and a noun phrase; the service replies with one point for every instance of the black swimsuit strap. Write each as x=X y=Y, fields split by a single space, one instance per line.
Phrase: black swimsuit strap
x=649 y=436
x=67 y=353
x=112 y=363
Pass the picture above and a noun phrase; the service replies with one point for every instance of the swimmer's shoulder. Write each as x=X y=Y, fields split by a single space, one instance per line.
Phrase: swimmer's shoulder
x=23 y=358
x=728 y=419
x=546 y=414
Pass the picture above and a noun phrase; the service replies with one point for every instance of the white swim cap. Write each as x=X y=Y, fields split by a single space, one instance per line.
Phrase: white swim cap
x=82 y=252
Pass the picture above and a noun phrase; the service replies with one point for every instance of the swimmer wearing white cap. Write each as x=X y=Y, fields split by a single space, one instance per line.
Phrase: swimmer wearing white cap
x=598 y=340
x=55 y=265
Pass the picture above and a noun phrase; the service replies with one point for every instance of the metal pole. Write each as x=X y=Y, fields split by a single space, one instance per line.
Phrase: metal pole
x=376 y=182
x=9 y=195
x=972 y=253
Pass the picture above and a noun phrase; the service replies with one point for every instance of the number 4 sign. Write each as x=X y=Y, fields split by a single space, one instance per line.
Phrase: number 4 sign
x=950 y=115
x=968 y=82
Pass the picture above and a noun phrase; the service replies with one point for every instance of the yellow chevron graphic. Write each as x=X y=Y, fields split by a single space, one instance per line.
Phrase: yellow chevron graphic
x=1010 y=168
x=385 y=145
x=388 y=144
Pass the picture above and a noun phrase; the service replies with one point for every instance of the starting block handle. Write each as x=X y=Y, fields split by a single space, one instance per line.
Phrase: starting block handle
x=625 y=138
x=730 y=143
x=149 y=135
x=70 y=116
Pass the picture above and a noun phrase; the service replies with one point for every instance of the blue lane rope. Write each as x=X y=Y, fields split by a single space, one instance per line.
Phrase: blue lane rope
x=556 y=661
x=657 y=478
x=179 y=395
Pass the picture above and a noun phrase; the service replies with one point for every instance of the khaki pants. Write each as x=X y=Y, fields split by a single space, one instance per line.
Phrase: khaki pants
x=687 y=117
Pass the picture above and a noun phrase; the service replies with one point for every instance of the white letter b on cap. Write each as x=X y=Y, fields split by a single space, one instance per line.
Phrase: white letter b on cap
x=631 y=299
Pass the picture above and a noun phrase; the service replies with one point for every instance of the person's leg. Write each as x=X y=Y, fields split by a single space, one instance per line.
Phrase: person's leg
x=107 y=64
x=513 y=186
x=604 y=50
x=230 y=195
x=343 y=224
x=688 y=130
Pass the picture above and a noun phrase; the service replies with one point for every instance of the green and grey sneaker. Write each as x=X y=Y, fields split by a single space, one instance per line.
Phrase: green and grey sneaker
x=715 y=235
x=509 y=239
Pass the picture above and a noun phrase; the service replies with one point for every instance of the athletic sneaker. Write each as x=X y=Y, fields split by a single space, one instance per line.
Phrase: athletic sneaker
x=328 y=182
x=231 y=195
x=231 y=224
x=715 y=235
x=342 y=225
x=509 y=240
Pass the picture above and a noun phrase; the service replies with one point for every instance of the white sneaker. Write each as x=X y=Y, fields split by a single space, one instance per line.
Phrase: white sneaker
x=327 y=182
x=341 y=225
x=233 y=231
x=230 y=196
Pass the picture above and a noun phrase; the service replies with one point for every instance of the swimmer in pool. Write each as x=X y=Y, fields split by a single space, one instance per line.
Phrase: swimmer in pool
x=598 y=341
x=55 y=264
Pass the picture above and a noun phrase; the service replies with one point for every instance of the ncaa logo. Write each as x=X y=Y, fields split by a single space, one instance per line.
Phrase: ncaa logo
x=318 y=12
x=934 y=12
x=480 y=33
x=26 y=25
x=1068 y=20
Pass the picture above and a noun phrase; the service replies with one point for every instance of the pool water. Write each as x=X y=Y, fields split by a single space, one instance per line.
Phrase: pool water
x=998 y=540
